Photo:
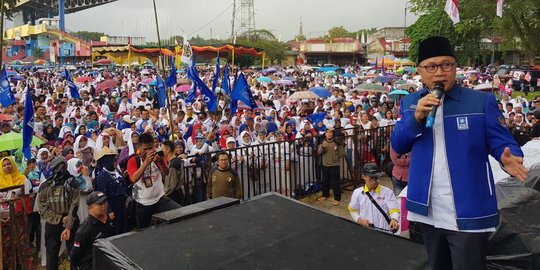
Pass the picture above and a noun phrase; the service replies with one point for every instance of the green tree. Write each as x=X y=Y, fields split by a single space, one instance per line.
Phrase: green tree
x=339 y=32
x=93 y=36
x=37 y=52
x=264 y=40
x=9 y=8
x=519 y=27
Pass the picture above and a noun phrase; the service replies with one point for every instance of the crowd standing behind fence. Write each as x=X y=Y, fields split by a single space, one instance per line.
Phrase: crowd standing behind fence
x=272 y=147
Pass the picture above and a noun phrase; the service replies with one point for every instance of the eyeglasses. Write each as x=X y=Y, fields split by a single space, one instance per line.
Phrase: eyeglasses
x=433 y=68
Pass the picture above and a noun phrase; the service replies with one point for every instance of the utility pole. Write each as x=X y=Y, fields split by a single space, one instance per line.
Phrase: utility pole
x=2 y=32
x=232 y=21
x=171 y=119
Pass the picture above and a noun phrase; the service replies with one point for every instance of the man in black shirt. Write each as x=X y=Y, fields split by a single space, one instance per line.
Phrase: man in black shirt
x=95 y=226
x=535 y=131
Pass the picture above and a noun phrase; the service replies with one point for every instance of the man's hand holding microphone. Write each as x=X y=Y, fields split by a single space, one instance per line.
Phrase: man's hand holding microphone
x=427 y=106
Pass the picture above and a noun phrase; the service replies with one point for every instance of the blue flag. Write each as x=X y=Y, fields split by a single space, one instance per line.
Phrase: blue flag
x=73 y=89
x=28 y=125
x=226 y=83
x=376 y=62
x=216 y=75
x=316 y=117
x=162 y=93
x=242 y=92
x=234 y=106
x=6 y=96
x=171 y=80
x=382 y=66
x=209 y=98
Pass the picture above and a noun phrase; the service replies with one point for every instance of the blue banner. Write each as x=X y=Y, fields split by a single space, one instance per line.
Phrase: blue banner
x=28 y=125
x=6 y=96
x=73 y=89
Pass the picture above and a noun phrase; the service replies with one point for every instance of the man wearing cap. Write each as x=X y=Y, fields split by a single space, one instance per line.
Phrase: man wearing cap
x=364 y=211
x=97 y=225
x=451 y=192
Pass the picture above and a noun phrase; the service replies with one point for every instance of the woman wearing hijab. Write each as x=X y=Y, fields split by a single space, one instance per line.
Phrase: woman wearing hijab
x=104 y=139
x=48 y=133
x=247 y=169
x=9 y=174
x=81 y=174
x=130 y=149
x=113 y=185
x=10 y=177
x=83 y=150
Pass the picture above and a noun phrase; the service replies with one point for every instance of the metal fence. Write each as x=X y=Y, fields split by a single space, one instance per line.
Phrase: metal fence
x=292 y=168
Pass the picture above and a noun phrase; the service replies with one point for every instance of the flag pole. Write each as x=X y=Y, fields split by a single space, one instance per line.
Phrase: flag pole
x=171 y=119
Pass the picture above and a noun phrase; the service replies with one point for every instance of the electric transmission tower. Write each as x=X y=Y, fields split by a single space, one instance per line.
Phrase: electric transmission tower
x=243 y=19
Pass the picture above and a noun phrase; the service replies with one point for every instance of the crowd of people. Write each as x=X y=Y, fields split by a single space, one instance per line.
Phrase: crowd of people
x=116 y=140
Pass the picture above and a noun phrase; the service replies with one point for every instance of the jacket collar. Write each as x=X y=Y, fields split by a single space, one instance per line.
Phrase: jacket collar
x=454 y=92
x=377 y=190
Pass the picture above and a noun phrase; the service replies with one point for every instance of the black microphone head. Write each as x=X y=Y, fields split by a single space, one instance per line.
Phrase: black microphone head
x=438 y=89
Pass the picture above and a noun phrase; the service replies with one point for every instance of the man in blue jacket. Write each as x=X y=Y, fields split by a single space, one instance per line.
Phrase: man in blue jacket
x=451 y=192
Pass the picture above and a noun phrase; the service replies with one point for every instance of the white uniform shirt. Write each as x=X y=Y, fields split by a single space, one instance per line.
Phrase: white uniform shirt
x=362 y=207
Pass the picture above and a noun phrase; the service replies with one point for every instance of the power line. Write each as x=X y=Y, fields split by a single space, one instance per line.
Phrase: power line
x=215 y=18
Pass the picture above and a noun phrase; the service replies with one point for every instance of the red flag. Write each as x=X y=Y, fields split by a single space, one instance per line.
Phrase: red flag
x=452 y=9
x=499 y=8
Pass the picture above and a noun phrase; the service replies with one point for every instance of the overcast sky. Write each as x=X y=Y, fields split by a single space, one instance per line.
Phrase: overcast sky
x=198 y=17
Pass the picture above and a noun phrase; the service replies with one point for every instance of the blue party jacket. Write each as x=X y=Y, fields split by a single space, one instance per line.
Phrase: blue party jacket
x=473 y=129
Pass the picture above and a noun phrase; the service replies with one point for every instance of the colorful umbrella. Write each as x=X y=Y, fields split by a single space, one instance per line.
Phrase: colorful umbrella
x=183 y=88
x=106 y=85
x=370 y=87
x=330 y=73
x=103 y=62
x=348 y=75
x=407 y=86
x=264 y=79
x=303 y=95
x=40 y=62
x=398 y=93
x=321 y=92
x=284 y=82
x=83 y=79
x=13 y=140
x=488 y=87
x=6 y=117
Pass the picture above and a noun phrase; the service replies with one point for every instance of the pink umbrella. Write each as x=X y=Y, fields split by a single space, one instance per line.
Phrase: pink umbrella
x=106 y=85
x=147 y=80
x=84 y=79
x=183 y=88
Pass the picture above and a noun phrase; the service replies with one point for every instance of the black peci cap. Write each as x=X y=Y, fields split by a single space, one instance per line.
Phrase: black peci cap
x=433 y=47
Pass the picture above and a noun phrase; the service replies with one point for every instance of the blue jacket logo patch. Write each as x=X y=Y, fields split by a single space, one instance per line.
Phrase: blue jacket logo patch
x=462 y=123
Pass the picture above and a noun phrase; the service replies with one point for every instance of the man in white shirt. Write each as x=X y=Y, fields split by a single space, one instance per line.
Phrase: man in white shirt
x=366 y=201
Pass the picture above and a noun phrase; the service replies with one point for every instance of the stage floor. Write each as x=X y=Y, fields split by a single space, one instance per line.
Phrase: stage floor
x=269 y=232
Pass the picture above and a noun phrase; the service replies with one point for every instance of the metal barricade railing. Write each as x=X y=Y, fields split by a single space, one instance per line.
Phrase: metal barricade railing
x=291 y=167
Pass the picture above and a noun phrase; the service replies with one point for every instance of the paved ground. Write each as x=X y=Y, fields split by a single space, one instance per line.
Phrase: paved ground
x=340 y=210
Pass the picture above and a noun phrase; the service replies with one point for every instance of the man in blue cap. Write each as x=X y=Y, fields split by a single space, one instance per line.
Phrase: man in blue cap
x=451 y=192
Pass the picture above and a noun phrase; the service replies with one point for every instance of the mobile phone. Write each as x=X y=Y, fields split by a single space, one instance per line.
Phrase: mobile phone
x=161 y=154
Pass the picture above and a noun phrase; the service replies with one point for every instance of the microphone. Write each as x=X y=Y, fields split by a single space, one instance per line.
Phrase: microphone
x=438 y=90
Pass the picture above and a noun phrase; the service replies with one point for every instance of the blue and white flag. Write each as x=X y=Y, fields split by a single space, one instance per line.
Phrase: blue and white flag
x=209 y=97
x=6 y=96
x=226 y=82
x=162 y=93
x=242 y=92
x=73 y=89
x=316 y=117
x=28 y=125
x=216 y=75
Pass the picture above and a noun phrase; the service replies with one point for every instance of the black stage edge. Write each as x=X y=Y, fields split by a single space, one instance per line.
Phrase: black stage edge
x=267 y=232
